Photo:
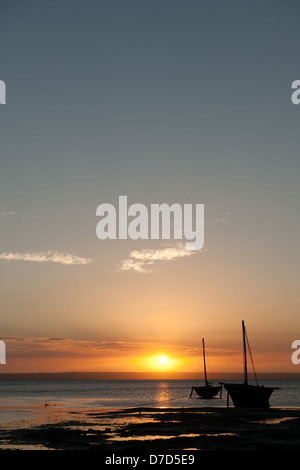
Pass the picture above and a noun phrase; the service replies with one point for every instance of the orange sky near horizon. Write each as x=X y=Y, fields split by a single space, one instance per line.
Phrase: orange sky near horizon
x=59 y=355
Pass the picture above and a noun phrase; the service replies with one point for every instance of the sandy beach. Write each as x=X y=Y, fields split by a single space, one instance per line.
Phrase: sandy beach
x=162 y=429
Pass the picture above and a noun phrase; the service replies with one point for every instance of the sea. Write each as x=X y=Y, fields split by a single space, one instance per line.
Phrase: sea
x=27 y=403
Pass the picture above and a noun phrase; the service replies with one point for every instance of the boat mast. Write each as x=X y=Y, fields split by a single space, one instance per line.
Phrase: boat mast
x=245 y=354
x=206 y=383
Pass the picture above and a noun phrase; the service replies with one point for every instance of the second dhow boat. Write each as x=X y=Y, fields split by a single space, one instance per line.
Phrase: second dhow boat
x=246 y=395
x=208 y=390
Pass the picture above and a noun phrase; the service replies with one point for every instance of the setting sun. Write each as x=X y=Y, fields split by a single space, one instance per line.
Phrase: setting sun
x=163 y=360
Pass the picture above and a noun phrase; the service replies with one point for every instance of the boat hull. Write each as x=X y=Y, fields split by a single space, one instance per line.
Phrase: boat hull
x=208 y=391
x=249 y=396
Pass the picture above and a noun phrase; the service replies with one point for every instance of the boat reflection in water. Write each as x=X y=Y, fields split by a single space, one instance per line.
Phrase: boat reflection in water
x=208 y=390
x=246 y=395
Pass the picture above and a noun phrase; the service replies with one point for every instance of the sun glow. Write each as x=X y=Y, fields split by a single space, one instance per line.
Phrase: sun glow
x=162 y=360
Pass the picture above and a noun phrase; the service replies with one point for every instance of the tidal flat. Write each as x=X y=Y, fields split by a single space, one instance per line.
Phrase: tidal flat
x=159 y=430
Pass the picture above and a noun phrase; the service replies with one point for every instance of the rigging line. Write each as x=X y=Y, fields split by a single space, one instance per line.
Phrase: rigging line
x=251 y=358
x=199 y=367
x=210 y=369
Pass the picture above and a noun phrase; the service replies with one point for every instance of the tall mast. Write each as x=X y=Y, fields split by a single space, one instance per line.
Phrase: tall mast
x=204 y=361
x=245 y=354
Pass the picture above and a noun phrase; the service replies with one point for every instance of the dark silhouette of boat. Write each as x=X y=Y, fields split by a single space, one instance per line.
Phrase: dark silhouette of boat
x=208 y=390
x=244 y=394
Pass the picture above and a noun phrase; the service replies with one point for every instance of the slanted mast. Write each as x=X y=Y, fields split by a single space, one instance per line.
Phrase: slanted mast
x=204 y=362
x=245 y=354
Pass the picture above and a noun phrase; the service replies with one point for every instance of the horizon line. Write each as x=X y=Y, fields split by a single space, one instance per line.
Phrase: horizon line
x=159 y=375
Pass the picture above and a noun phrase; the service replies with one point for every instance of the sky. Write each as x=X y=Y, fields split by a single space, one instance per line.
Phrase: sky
x=164 y=102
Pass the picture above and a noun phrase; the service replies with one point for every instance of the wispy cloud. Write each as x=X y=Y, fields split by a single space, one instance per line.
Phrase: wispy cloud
x=6 y=213
x=18 y=217
x=142 y=261
x=45 y=257
x=68 y=347
x=42 y=347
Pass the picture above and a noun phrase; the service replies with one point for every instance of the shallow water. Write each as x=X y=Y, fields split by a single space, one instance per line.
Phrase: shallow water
x=28 y=403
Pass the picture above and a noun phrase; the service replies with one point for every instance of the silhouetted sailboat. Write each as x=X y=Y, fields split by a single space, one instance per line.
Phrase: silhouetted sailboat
x=245 y=395
x=208 y=390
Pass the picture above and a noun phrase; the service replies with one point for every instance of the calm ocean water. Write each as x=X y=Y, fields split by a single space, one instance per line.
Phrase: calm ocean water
x=24 y=401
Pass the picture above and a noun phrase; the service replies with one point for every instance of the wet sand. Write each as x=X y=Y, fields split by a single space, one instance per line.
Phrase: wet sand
x=159 y=430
